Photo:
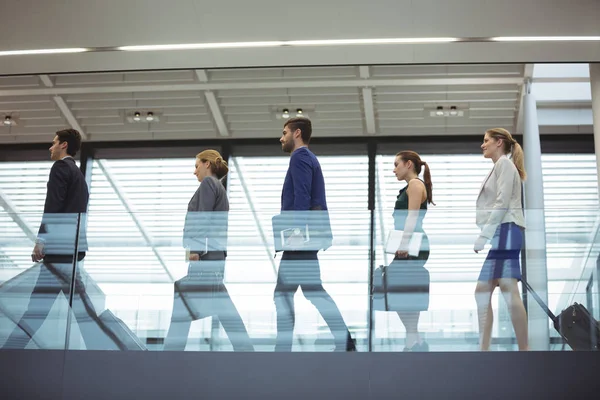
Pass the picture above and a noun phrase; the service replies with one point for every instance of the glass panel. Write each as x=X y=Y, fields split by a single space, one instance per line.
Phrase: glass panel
x=34 y=297
x=136 y=254
x=450 y=322
x=255 y=185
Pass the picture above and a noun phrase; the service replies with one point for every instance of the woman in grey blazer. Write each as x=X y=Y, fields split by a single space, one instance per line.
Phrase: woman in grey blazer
x=500 y=218
x=201 y=293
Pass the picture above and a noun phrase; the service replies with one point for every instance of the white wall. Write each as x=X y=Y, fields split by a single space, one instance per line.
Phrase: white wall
x=34 y=24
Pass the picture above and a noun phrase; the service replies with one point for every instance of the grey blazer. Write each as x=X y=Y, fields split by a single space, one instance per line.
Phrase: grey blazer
x=499 y=199
x=206 y=221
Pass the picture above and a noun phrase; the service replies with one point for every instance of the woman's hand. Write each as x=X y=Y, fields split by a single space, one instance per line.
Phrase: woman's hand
x=479 y=244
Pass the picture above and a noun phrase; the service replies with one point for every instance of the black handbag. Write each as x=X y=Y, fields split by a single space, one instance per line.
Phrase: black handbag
x=402 y=286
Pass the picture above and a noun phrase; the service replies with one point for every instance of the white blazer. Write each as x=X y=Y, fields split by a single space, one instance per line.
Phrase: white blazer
x=499 y=199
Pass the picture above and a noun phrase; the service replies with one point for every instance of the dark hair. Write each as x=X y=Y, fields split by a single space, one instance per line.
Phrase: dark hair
x=303 y=124
x=218 y=166
x=73 y=139
x=408 y=155
x=510 y=146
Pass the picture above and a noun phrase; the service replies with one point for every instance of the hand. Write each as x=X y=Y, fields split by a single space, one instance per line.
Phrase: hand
x=194 y=257
x=479 y=244
x=38 y=252
x=402 y=254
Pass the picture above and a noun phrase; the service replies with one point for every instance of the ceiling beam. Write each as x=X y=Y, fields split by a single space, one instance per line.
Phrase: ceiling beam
x=213 y=104
x=367 y=97
x=46 y=80
x=527 y=76
x=66 y=112
x=62 y=105
x=325 y=83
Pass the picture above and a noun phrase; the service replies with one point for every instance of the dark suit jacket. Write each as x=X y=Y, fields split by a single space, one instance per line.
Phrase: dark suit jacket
x=303 y=200
x=66 y=198
x=304 y=186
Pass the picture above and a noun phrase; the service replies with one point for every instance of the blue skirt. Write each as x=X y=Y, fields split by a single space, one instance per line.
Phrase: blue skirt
x=503 y=259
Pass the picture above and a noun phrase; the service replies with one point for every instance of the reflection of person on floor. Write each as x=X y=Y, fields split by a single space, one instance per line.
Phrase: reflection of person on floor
x=500 y=218
x=201 y=293
x=303 y=190
x=407 y=278
x=66 y=197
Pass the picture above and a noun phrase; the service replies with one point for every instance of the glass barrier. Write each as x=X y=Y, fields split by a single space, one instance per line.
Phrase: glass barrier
x=136 y=288
x=38 y=306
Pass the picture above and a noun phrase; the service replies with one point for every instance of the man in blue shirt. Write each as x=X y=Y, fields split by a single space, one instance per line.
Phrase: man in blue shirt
x=303 y=190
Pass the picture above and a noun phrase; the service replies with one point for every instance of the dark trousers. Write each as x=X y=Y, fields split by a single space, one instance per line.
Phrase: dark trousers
x=201 y=293
x=301 y=269
x=55 y=276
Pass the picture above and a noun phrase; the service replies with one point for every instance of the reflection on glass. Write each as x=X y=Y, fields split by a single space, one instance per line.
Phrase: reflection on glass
x=137 y=216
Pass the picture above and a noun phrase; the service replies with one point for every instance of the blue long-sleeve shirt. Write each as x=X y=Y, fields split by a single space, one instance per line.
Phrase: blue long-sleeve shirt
x=304 y=186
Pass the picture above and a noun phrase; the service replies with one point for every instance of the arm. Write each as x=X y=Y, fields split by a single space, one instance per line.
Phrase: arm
x=56 y=193
x=197 y=221
x=504 y=187
x=414 y=192
x=301 y=172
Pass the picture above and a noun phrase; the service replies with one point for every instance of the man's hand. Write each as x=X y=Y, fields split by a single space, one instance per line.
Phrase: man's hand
x=402 y=254
x=479 y=244
x=194 y=257
x=38 y=252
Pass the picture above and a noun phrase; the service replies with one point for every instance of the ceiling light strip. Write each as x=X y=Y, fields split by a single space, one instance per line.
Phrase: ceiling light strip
x=304 y=43
x=44 y=51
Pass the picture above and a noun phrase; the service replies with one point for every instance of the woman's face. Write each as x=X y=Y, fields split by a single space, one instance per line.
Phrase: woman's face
x=491 y=146
x=401 y=168
x=202 y=169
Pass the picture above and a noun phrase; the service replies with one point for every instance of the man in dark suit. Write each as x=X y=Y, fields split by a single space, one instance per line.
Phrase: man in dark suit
x=66 y=202
x=304 y=190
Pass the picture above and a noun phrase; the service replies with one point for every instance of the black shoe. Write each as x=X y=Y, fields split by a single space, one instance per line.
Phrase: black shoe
x=349 y=346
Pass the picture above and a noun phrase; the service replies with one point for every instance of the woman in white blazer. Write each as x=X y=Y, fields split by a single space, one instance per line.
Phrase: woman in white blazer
x=500 y=218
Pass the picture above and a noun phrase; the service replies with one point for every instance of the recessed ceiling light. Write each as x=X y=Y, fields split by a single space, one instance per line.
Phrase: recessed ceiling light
x=43 y=51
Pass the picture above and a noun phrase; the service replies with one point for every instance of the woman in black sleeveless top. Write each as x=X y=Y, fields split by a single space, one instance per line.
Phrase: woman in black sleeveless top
x=407 y=278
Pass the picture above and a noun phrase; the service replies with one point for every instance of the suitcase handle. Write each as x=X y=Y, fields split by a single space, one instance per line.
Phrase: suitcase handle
x=541 y=302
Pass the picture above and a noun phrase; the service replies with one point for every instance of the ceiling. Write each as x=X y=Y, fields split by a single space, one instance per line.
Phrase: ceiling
x=247 y=103
x=381 y=100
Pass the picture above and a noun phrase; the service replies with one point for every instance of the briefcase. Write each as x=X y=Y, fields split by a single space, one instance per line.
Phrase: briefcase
x=314 y=225
x=119 y=332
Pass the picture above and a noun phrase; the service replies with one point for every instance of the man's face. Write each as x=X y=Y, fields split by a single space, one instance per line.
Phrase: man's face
x=57 y=150
x=287 y=140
